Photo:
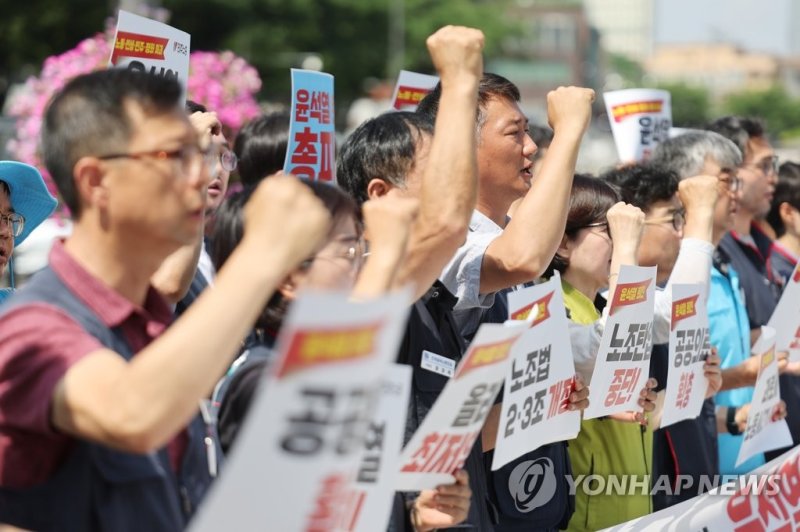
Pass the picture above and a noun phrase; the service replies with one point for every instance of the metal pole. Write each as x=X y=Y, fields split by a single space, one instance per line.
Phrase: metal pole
x=397 y=38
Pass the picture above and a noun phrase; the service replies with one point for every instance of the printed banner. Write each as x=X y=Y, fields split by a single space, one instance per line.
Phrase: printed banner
x=297 y=457
x=762 y=434
x=766 y=499
x=311 y=151
x=377 y=473
x=785 y=318
x=623 y=361
x=411 y=88
x=444 y=439
x=541 y=376
x=151 y=46
x=689 y=347
x=640 y=119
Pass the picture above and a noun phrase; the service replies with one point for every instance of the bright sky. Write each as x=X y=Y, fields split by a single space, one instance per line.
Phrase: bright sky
x=755 y=25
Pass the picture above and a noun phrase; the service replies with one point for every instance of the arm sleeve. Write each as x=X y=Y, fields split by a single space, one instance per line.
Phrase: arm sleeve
x=585 y=340
x=462 y=275
x=692 y=266
x=38 y=344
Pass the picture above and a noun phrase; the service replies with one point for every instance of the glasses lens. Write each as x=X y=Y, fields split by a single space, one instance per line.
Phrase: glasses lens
x=678 y=221
x=228 y=160
x=773 y=164
x=12 y=222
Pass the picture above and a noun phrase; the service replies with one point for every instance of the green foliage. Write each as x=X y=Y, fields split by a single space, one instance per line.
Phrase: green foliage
x=351 y=36
x=629 y=70
x=774 y=105
x=31 y=31
x=691 y=106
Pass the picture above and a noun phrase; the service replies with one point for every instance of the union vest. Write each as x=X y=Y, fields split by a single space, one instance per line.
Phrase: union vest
x=98 y=488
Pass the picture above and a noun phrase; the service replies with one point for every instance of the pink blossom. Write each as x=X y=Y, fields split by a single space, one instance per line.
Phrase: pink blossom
x=221 y=81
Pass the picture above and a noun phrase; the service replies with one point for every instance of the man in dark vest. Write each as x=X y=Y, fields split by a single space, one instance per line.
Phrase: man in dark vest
x=98 y=409
x=399 y=154
x=499 y=254
x=746 y=247
x=677 y=239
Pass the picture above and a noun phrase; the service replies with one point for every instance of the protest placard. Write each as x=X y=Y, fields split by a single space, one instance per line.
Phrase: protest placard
x=307 y=426
x=623 y=361
x=640 y=119
x=762 y=433
x=689 y=347
x=444 y=439
x=411 y=88
x=151 y=46
x=785 y=318
x=540 y=378
x=311 y=152
x=378 y=468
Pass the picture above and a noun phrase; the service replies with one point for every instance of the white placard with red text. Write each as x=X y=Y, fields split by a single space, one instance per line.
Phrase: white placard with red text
x=640 y=119
x=311 y=152
x=762 y=433
x=144 y=44
x=785 y=318
x=540 y=378
x=689 y=347
x=377 y=471
x=623 y=361
x=766 y=499
x=445 y=438
x=296 y=457
x=411 y=88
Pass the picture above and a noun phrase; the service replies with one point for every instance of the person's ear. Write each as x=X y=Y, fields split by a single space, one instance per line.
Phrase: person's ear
x=377 y=187
x=288 y=288
x=564 y=248
x=786 y=212
x=88 y=175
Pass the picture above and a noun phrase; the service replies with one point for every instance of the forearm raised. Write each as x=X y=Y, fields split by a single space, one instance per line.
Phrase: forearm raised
x=139 y=406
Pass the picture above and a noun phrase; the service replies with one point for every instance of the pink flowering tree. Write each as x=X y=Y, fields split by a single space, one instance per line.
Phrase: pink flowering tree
x=222 y=81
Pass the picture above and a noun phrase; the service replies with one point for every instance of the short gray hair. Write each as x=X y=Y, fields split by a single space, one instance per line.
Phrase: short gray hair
x=686 y=154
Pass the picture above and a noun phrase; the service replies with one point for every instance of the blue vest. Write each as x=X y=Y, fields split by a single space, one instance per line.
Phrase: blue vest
x=98 y=488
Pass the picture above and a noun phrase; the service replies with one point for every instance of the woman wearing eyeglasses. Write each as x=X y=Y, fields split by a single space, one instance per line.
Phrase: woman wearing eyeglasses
x=338 y=265
x=589 y=263
x=24 y=204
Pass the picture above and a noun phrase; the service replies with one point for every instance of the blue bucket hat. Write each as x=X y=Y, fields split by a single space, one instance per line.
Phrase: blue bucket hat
x=29 y=195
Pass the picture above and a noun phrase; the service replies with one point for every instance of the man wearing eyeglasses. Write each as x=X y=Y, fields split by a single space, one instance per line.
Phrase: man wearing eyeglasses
x=679 y=243
x=187 y=272
x=708 y=153
x=746 y=248
x=24 y=203
x=99 y=424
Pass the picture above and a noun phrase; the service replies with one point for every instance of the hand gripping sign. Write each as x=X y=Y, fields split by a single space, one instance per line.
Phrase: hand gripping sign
x=623 y=361
x=411 y=88
x=768 y=498
x=762 y=433
x=540 y=378
x=311 y=152
x=640 y=119
x=689 y=347
x=371 y=504
x=785 y=318
x=297 y=456
x=444 y=439
x=150 y=46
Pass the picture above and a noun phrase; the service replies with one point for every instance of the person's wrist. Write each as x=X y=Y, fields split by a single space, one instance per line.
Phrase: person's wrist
x=732 y=422
x=568 y=131
x=416 y=521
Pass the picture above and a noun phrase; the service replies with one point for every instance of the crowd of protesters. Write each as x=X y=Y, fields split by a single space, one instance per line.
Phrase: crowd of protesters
x=116 y=361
